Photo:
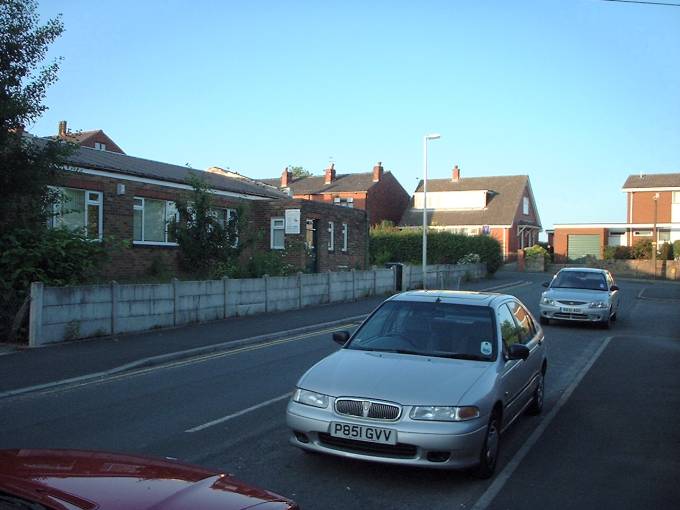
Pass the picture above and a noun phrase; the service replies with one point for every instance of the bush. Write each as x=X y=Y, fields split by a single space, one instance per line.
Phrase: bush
x=268 y=263
x=642 y=249
x=666 y=252
x=442 y=247
x=470 y=258
x=537 y=251
x=676 y=249
x=618 y=252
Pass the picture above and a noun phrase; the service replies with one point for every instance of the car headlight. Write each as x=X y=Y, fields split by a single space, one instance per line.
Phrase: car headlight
x=310 y=398
x=547 y=301
x=444 y=413
x=598 y=304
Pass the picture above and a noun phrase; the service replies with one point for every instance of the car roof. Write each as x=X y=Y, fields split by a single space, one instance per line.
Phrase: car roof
x=457 y=297
x=583 y=269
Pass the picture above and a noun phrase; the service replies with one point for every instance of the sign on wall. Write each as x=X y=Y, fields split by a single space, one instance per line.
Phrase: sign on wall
x=486 y=230
x=292 y=221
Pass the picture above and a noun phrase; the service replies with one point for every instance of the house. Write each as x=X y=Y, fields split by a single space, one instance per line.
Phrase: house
x=133 y=200
x=652 y=203
x=96 y=139
x=378 y=192
x=502 y=207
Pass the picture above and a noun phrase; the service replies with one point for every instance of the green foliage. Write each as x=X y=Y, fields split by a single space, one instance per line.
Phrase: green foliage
x=666 y=252
x=208 y=244
x=618 y=252
x=442 y=247
x=158 y=269
x=470 y=258
x=299 y=171
x=676 y=249
x=269 y=263
x=642 y=249
x=537 y=251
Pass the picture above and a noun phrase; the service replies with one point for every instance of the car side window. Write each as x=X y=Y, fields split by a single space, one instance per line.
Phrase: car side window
x=510 y=333
x=610 y=279
x=524 y=322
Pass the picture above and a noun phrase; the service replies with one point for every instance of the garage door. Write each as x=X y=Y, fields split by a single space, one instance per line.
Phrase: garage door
x=581 y=245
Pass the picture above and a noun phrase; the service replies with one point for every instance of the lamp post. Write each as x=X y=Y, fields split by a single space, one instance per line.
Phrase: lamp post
x=425 y=140
x=654 y=234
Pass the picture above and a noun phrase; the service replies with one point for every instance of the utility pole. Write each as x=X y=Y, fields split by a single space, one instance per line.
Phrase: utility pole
x=654 y=234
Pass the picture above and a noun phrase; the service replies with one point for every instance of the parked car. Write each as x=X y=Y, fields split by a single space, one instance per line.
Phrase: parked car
x=74 y=479
x=431 y=379
x=581 y=294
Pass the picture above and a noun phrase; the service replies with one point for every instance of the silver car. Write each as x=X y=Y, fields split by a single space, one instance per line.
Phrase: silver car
x=581 y=294
x=431 y=378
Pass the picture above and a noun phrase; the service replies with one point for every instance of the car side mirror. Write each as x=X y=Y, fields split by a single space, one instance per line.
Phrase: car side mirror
x=341 y=337
x=518 y=351
x=546 y=284
x=614 y=287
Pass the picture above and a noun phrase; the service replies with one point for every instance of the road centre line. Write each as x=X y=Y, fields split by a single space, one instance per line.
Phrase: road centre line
x=239 y=413
x=501 y=479
x=505 y=286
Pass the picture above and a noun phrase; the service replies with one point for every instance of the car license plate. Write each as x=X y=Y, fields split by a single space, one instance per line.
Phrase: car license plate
x=363 y=433
x=570 y=310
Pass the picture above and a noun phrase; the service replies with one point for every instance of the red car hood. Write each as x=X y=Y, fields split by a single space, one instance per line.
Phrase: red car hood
x=97 y=480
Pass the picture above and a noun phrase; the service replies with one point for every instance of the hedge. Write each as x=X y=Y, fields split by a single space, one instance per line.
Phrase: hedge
x=442 y=247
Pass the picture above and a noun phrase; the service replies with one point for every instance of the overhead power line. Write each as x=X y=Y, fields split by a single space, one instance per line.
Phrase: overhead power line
x=666 y=4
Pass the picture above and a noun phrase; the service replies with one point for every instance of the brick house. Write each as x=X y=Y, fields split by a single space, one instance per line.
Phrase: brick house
x=133 y=200
x=378 y=192
x=95 y=139
x=502 y=207
x=652 y=203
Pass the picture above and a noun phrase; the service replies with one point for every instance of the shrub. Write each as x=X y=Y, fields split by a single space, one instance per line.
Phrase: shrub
x=470 y=258
x=268 y=263
x=666 y=251
x=642 y=249
x=537 y=251
x=618 y=252
x=442 y=247
x=676 y=249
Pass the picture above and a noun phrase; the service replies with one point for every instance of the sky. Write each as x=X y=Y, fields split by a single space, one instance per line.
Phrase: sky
x=577 y=94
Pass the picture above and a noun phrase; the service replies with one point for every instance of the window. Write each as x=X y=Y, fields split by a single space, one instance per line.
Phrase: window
x=676 y=197
x=525 y=205
x=79 y=209
x=331 y=236
x=344 y=202
x=524 y=323
x=345 y=235
x=277 y=234
x=152 y=220
x=664 y=235
x=642 y=233
x=227 y=218
x=99 y=146
x=509 y=330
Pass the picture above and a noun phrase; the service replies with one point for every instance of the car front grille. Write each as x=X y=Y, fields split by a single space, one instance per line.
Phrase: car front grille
x=367 y=409
x=399 y=450
x=572 y=303
x=577 y=316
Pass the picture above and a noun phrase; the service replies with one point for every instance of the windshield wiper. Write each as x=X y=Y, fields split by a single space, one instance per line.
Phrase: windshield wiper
x=459 y=355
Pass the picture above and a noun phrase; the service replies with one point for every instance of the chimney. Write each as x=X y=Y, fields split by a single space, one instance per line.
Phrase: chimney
x=377 y=172
x=455 y=177
x=62 y=128
x=330 y=174
x=286 y=177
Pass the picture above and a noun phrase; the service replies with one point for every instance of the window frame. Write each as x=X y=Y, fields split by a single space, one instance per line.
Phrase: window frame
x=136 y=207
x=525 y=206
x=99 y=146
x=345 y=237
x=273 y=221
x=99 y=202
x=344 y=202
x=232 y=215
x=647 y=233
x=675 y=197
x=331 y=236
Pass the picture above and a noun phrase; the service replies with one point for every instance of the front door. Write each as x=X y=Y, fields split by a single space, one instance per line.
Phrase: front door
x=311 y=245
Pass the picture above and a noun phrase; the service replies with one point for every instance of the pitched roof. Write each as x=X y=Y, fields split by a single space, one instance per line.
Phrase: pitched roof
x=87 y=157
x=86 y=137
x=652 y=181
x=504 y=196
x=315 y=184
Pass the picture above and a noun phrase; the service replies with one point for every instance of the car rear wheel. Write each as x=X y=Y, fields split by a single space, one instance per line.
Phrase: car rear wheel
x=489 y=454
x=536 y=405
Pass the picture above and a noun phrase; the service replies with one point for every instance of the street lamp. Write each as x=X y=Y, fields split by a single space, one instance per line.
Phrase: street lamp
x=433 y=136
x=654 y=234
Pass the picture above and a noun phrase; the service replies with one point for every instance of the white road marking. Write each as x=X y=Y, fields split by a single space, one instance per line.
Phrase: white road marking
x=239 y=413
x=499 y=482
x=506 y=286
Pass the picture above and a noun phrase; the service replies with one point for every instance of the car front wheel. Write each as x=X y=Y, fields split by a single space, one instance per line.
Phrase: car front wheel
x=536 y=405
x=489 y=454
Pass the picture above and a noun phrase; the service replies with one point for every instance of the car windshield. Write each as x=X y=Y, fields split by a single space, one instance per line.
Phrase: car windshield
x=429 y=329
x=579 y=280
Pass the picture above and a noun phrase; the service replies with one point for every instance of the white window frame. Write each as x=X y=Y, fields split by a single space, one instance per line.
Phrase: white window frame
x=331 y=236
x=231 y=216
x=639 y=233
x=344 y=202
x=525 y=206
x=99 y=146
x=99 y=202
x=277 y=223
x=667 y=234
x=137 y=207
x=675 y=198
x=345 y=236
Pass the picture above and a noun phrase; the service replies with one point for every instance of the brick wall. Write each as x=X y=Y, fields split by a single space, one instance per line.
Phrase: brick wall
x=561 y=240
x=387 y=200
x=643 y=206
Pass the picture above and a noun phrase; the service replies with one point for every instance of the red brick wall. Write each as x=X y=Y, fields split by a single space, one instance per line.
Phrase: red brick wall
x=101 y=137
x=387 y=200
x=133 y=261
x=643 y=206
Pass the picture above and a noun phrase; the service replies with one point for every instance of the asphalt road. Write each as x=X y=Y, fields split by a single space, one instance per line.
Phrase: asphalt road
x=613 y=439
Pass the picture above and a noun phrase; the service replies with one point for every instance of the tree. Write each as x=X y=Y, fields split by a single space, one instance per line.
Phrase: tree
x=299 y=171
x=26 y=165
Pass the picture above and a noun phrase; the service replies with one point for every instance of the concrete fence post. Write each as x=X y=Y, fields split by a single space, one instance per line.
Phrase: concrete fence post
x=329 y=286
x=225 y=309
x=114 y=307
x=266 y=293
x=35 y=315
x=394 y=278
x=354 y=285
x=175 y=299
x=299 y=285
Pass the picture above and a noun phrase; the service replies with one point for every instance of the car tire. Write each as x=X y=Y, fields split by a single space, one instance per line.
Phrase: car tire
x=488 y=456
x=607 y=323
x=544 y=320
x=536 y=405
